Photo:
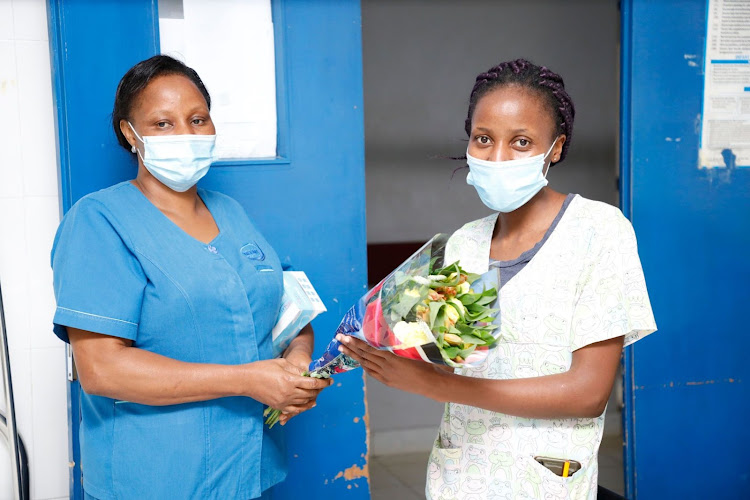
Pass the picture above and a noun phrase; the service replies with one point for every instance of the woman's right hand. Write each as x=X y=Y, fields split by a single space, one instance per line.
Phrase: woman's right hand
x=279 y=384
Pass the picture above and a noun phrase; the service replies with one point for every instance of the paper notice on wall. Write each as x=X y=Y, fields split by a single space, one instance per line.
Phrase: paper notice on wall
x=725 y=133
x=230 y=43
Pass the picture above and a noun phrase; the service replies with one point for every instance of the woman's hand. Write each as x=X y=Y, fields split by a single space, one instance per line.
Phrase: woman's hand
x=279 y=384
x=394 y=371
x=299 y=358
x=300 y=349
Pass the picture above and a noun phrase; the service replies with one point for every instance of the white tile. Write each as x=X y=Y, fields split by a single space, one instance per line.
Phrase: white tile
x=6 y=20
x=50 y=417
x=30 y=19
x=42 y=218
x=11 y=178
x=41 y=313
x=42 y=214
x=17 y=314
x=13 y=274
x=38 y=149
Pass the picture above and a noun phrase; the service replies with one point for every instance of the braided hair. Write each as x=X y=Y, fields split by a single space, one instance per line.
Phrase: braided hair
x=547 y=84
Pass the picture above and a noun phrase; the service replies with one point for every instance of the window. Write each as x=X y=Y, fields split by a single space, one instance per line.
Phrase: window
x=230 y=43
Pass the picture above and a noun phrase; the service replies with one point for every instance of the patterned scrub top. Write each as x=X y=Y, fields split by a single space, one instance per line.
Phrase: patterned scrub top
x=584 y=285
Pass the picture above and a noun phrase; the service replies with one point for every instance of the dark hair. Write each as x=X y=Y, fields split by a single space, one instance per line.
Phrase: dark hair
x=138 y=77
x=547 y=84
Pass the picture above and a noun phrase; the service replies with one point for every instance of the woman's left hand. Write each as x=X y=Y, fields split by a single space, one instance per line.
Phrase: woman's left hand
x=299 y=358
x=394 y=371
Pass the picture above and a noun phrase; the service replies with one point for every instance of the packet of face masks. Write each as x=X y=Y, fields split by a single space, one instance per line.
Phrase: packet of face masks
x=300 y=304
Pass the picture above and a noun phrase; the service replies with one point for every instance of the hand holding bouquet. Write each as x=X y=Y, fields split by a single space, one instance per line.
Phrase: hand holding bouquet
x=423 y=310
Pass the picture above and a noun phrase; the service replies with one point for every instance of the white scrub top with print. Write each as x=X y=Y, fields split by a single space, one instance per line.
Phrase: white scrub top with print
x=584 y=285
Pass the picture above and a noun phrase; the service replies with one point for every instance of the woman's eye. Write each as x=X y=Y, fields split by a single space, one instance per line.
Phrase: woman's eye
x=483 y=139
x=198 y=121
x=523 y=142
x=162 y=124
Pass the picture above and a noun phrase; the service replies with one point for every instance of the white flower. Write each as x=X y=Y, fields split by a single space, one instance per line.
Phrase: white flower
x=412 y=334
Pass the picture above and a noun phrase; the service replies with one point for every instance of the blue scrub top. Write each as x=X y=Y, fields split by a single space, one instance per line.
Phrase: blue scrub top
x=122 y=268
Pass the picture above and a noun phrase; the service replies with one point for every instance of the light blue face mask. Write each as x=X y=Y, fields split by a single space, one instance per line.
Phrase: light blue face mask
x=177 y=161
x=507 y=185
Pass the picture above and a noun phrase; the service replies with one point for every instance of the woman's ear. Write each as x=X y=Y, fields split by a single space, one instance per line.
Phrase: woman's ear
x=129 y=135
x=557 y=150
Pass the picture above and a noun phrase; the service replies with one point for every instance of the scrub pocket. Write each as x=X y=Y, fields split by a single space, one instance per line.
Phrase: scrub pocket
x=540 y=482
x=149 y=441
x=443 y=471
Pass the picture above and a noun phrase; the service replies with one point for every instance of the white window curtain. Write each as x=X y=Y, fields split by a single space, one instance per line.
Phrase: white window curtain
x=230 y=44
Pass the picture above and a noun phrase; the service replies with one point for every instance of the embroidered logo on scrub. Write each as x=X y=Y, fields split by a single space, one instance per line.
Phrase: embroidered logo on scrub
x=253 y=252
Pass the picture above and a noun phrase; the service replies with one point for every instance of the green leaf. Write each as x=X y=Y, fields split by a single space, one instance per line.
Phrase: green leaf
x=435 y=308
x=458 y=305
x=465 y=353
x=451 y=352
x=471 y=339
x=406 y=300
x=486 y=300
x=469 y=298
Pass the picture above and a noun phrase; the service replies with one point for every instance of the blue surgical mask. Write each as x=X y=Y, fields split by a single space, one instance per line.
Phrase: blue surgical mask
x=507 y=185
x=177 y=161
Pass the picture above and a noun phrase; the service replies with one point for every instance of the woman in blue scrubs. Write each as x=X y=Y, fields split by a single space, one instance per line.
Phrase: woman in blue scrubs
x=167 y=294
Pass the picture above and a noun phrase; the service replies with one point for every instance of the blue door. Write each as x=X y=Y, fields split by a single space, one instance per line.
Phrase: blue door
x=687 y=397
x=309 y=201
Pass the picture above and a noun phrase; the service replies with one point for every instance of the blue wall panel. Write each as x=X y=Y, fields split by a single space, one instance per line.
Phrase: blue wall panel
x=310 y=203
x=688 y=383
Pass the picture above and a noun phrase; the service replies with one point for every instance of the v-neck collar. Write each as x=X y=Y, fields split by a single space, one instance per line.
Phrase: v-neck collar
x=529 y=254
x=543 y=245
x=169 y=222
x=471 y=244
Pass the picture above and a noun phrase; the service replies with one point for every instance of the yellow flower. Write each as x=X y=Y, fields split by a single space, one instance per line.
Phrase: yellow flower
x=451 y=315
x=453 y=339
x=412 y=334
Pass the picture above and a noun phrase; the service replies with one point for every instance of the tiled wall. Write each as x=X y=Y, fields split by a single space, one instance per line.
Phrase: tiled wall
x=29 y=214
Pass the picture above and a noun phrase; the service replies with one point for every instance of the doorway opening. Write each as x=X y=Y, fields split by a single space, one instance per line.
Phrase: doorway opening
x=420 y=59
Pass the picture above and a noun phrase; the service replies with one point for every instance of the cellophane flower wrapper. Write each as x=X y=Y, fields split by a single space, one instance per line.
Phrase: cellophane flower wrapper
x=404 y=301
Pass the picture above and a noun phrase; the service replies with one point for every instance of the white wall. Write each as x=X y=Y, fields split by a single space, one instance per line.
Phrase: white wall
x=420 y=58
x=29 y=214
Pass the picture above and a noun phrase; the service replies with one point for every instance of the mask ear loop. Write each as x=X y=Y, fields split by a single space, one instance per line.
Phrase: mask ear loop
x=549 y=165
x=133 y=149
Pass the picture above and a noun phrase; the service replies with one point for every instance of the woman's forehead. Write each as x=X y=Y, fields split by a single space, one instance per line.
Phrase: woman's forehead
x=169 y=91
x=512 y=106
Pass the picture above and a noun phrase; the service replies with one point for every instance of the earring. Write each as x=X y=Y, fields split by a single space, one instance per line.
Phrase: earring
x=132 y=149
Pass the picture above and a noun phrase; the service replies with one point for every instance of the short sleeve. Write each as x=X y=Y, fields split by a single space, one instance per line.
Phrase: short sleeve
x=98 y=281
x=613 y=300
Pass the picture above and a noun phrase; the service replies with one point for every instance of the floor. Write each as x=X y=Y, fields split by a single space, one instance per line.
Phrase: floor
x=402 y=477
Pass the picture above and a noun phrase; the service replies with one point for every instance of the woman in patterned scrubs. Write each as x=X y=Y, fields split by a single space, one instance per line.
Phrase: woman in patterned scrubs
x=572 y=293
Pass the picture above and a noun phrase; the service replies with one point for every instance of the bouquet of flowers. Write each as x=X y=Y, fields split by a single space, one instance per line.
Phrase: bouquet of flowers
x=423 y=310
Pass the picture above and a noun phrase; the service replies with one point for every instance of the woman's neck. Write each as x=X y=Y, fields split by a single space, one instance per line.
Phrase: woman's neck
x=164 y=198
x=530 y=220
